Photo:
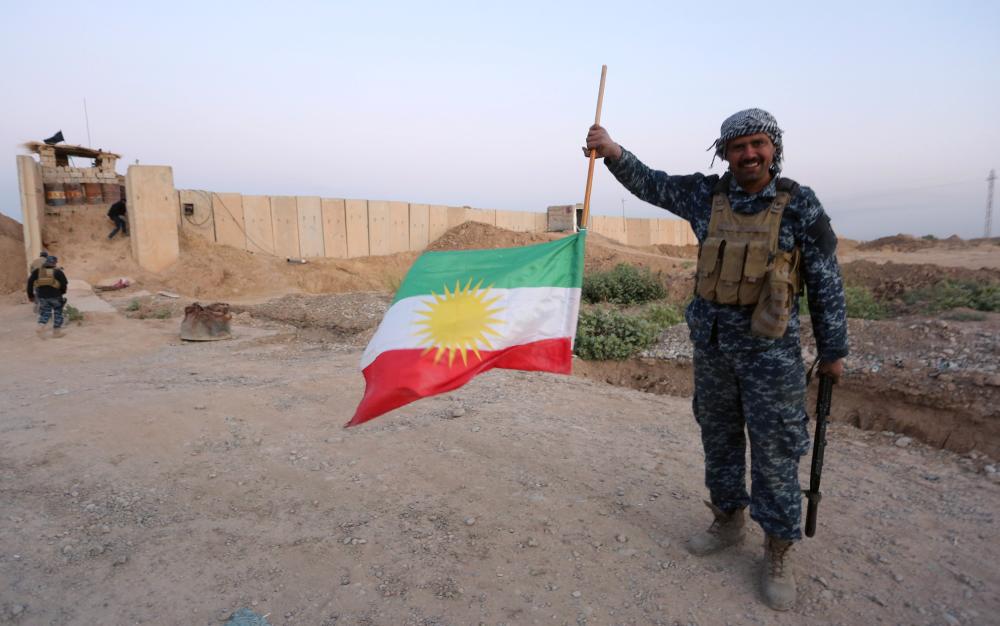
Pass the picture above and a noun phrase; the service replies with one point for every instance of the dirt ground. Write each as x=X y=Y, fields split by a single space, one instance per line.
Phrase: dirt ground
x=146 y=480
x=150 y=481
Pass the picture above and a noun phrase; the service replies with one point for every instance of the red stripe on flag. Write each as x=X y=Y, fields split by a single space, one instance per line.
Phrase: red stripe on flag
x=398 y=377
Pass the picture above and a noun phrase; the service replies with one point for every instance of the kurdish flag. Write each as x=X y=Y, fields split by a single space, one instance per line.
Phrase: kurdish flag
x=459 y=313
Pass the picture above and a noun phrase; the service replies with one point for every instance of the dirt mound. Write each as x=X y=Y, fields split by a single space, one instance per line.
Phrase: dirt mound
x=478 y=236
x=12 y=270
x=210 y=271
x=681 y=252
x=909 y=243
x=889 y=281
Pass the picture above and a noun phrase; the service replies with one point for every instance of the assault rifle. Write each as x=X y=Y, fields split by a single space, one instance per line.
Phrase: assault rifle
x=813 y=495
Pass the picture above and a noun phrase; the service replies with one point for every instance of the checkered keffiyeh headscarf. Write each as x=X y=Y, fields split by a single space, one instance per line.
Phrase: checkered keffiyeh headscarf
x=749 y=122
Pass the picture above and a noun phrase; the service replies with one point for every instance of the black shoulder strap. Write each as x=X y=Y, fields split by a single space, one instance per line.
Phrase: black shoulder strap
x=787 y=184
x=723 y=185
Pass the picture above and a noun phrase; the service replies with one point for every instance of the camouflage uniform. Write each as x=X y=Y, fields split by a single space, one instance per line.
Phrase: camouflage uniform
x=742 y=379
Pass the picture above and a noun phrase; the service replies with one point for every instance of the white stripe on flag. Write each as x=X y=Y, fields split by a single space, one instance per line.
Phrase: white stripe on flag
x=529 y=314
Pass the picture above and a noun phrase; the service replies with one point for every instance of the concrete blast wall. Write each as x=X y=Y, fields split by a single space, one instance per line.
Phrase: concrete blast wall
x=29 y=179
x=310 y=226
x=152 y=215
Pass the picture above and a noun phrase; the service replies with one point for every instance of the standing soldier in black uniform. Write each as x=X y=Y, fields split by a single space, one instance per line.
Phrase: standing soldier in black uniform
x=760 y=238
x=51 y=284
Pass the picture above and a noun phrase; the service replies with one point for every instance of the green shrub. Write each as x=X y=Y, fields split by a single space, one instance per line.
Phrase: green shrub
x=624 y=284
x=953 y=294
x=604 y=334
x=162 y=313
x=663 y=315
x=73 y=314
x=862 y=304
x=133 y=305
x=929 y=238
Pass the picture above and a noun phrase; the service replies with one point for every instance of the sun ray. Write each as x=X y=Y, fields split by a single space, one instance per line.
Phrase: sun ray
x=458 y=322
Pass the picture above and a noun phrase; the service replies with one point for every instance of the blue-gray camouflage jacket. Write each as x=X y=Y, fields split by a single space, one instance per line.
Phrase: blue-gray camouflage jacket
x=804 y=223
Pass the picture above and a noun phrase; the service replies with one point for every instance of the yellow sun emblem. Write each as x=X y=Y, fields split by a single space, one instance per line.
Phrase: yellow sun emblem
x=458 y=322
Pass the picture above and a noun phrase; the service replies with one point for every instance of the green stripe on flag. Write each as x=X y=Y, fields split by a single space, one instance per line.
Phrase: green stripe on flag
x=557 y=263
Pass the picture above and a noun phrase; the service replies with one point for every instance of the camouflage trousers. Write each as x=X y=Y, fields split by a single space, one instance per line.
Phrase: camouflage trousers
x=763 y=394
x=50 y=307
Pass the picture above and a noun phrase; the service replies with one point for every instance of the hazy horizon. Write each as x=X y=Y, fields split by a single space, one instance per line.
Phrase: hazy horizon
x=889 y=111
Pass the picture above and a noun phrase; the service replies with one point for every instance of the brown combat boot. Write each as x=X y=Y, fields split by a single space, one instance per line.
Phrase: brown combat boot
x=58 y=332
x=727 y=529
x=779 y=576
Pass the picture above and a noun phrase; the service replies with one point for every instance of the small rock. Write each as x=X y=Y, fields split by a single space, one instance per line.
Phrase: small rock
x=532 y=542
x=903 y=442
x=621 y=538
x=576 y=594
x=120 y=560
x=457 y=412
x=826 y=594
x=200 y=407
x=16 y=610
x=475 y=429
x=469 y=521
x=67 y=549
x=951 y=619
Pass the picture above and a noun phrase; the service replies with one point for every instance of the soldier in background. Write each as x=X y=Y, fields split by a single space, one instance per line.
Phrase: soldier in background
x=760 y=237
x=51 y=284
x=117 y=215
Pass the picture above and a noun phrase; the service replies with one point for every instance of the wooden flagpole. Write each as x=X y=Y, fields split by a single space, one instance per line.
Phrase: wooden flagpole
x=585 y=222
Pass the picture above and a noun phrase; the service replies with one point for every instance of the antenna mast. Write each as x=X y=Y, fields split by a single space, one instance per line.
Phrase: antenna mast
x=989 y=204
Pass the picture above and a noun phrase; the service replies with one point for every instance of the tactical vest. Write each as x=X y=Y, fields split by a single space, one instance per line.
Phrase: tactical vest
x=46 y=277
x=740 y=262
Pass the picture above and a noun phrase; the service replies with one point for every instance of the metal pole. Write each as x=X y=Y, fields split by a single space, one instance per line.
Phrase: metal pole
x=86 y=118
x=989 y=204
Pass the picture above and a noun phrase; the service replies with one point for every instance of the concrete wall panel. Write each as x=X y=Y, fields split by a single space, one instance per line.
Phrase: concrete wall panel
x=258 y=223
x=229 y=223
x=506 y=219
x=437 y=222
x=285 y=221
x=378 y=227
x=484 y=216
x=638 y=231
x=540 y=223
x=419 y=216
x=310 y=226
x=201 y=223
x=29 y=179
x=457 y=215
x=399 y=227
x=356 y=212
x=334 y=228
x=152 y=211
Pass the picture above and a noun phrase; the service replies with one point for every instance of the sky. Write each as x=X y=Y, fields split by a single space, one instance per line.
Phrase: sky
x=889 y=109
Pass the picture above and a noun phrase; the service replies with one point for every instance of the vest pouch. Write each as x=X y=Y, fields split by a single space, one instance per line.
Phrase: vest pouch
x=728 y=287
x=770 y=316
x=754 y=272
x=708 y=267
x=46 y=278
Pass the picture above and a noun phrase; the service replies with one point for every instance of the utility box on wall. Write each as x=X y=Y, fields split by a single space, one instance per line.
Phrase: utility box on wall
x=563 y=217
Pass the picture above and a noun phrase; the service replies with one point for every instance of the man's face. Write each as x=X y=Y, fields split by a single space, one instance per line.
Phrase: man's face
x=750 y=158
